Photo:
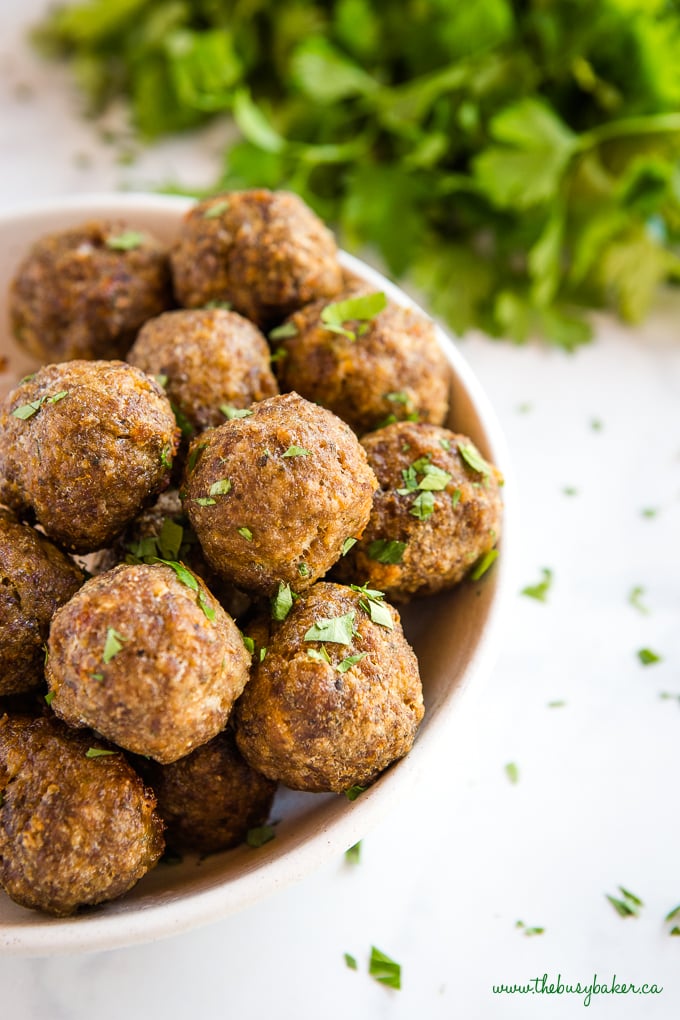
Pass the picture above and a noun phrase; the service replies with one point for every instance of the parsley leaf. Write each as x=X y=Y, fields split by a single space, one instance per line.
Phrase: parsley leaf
x=112 y=645
x=127 y=241
x=296 y=451
x=384 y=550
x=334 y=629
x=361 y=309
x=98 y=752
x=540 y=591
x=647 y=657
x=284 y=331
x=260 y=835
x=474 y=459
x=384 y=969
x=230 y=412
x=282 y=602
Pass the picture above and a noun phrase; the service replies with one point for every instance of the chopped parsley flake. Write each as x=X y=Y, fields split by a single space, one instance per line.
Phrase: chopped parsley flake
x=445 y=443
x=28 y=410
x=97 y=676
x=319 y=656
x=230 y=412
x=435 y=479
x=220 y=488
x=216 y=210
x=384 y=550
x=649 y=512
x=347 y=545
x=337 y=630
x=303 y=570
x=203 y=602
x=483 y=564
x=474 y=459
x=248 y=642
x=98 y=752
x=361 y=309
x=170 y=539
x=166 y=457
x=350 y=661
x=556 y=704
x=423 y=506
x=539 y=591
x=512 y=772
x=49 y=697
x=384 y=969
x=355 y=791
x=647 y=657
x=195 y=456
x=628 y=906
x=350 y=961
x=529 y=931
x=183 y=423
x=260 y=835
x=282 y=602
x=205 y=501
x=372 y=604
x=263 y=653
x=246 y=533
x=127 y=241
x=296 y=451
x=569 y=490
x=112 y=645
x=162 y=380
x=455 y=497
x=183 y=574
x=353 y=854
x=398 y=398
x=224 y=305
x=635 y=599
x=596 y=425
x=284 y=331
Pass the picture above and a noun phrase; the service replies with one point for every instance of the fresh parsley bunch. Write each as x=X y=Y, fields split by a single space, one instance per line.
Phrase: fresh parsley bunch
x=518 y=160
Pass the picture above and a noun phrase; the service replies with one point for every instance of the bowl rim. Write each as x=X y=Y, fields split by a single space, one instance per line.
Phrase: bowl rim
x=175 y=915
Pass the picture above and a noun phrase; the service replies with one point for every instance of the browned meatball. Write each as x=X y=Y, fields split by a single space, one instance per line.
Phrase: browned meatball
x=265 y=252
x=210 y=799
x=35 y=579
x=211 y=362
x=75 y=829
x=273 y=496
x=147 y=657
x=436 y=513
x=162 y=531
x=84 y=292
x=337 y=697
x=384 y=368
x=83 y=446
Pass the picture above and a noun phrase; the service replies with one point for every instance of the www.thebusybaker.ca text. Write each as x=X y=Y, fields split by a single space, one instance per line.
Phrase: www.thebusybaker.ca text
x=545 y=986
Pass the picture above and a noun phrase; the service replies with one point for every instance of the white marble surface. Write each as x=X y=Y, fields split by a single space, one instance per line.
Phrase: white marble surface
x=443 y=882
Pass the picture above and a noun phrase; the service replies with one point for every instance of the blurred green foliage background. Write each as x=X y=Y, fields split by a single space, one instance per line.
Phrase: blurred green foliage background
x=518 y=160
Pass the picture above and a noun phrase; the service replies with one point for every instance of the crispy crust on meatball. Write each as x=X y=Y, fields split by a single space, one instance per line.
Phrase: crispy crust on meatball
x=390 y=368
x=210 y=799
x=82 y=293
x=35 y=579
x=74 y=830
x=446 y=513
x=149 y=660
x=83 y=446
x=272 y=497
x=210 y=358
x=323 y=725
x=265 y=252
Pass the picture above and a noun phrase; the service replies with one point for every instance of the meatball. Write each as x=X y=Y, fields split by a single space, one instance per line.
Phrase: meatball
x=436 y=513
x=76 y=828
x=212 y=362
x=274 y=496
x=375 y=370
x=84 y=292
x=162 y=531
x=210 y=799
x=83 y=446
x=146 y=656
x=35 y=579
x=337 y=697
x=265 y=252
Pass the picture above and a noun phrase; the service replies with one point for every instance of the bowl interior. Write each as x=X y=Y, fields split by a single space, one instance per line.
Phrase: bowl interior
x=453 y=634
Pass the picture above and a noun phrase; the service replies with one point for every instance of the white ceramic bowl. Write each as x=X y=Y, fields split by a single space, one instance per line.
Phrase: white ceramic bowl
x=455 y=637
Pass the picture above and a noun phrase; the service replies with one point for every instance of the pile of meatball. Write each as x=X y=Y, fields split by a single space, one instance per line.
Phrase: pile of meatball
x=230 y=465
